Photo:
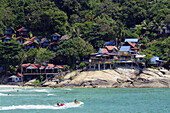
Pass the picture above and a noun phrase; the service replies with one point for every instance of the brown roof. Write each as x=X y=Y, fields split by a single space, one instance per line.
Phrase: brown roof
x=55 y=34
x=65 y=37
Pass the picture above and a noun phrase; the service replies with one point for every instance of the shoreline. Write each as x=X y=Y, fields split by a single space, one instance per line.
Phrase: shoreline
x=17 y=86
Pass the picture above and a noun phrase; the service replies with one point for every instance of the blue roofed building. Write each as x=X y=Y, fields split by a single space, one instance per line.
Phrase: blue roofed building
x=156 y=61
x=109 y=43
x=124 y=53
x=132 y=40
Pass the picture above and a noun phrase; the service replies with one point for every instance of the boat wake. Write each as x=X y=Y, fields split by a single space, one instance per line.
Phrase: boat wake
x=67 y=105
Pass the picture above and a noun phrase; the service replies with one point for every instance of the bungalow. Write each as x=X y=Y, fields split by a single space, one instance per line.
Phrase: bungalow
x=56 y=37
x=23 y=32
x=133 y=49
x=124 y=53
x=21 y=39
x=103 y=59
x=30 y=44
x=16 y=78
x=44 y=42
x=6 y=38
x=36 y=39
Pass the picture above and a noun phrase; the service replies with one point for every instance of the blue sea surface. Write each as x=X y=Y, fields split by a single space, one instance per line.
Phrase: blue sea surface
x=96 y=100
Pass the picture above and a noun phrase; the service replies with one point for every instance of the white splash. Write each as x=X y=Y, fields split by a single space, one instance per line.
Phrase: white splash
x=39 y=90
x=2 y=94
x=50 y=94
x=67 y=105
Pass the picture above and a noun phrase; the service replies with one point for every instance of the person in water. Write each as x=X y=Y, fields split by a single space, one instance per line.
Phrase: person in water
x=75 y=101
x=58 y=103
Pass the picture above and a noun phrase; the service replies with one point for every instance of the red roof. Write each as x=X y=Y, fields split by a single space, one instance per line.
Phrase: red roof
x=104 y=50
x=25 y=65
x=133 y=45
x=110 y=47
x=35 y=65
x=20 y=75
x=20 y=37
x=33 y=38
x=51 y=65
x=21 y=29
x=59 y=66
x=42 y=67
x=28 y=42
x=4 y=37
x=134 y=48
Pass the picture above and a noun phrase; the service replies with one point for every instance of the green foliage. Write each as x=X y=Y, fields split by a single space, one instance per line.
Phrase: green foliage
x=82 y=65
x=116 y=62
x=73 y=50
x=10 y=53
x=37 y=82
x=40 y=56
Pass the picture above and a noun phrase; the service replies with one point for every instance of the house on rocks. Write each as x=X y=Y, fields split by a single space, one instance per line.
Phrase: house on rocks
x=30 y=71
x=103 y=58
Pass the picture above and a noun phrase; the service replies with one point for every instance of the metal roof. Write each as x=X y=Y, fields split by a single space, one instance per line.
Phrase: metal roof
x=131 y=40
x=109 y=43
x=124 y=48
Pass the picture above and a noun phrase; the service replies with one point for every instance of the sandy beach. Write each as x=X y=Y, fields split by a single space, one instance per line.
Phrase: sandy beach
x=8 y=86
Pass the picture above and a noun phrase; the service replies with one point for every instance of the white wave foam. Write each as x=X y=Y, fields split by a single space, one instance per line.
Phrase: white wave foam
x=67 y=105
x=39 y=90
x=10 y=90
x=50 y=94
x=68 y=89
x=2 y=94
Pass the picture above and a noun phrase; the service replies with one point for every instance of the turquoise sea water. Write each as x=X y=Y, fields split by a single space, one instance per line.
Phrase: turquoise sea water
x=96 y=100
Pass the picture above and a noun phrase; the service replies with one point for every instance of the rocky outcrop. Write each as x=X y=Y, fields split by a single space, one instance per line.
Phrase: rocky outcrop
x=119 y=77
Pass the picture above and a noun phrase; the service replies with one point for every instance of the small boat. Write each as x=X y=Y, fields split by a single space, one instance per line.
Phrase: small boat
x=79 y=102
x=59 y=105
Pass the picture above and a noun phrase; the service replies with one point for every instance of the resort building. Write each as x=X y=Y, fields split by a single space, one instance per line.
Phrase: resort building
x=30 y=71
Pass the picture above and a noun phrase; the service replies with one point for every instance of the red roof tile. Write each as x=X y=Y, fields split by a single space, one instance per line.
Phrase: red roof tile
x=35 y=66
x=25 y=65
x=21 y=29
x=33 y=38
x=110 y=47
x=20 y=75
x=28 y=43
x=4 y=37
x=133 y=45
x=59 y=66
x=134 y=48
x=42 y=67
x=20 y=37
x=51 y=65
